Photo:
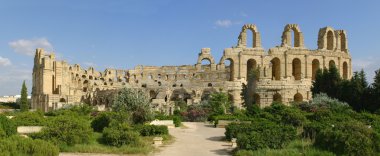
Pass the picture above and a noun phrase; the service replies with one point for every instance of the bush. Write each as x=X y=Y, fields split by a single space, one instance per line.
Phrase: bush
x=73 y=110
x=349 y=138
x=101 y=121
x=7 y=127
x=151 y=130
x=67 y=130
x=233 y=129
x=119 y=135
x=177 y=121
x=17 y=145
x=29 y=119
x=266 y=135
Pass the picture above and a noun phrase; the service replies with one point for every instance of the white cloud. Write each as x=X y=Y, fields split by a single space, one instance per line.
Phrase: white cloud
x=369 y=65
x=5 y=61
x=28 y=47
x=223 y=23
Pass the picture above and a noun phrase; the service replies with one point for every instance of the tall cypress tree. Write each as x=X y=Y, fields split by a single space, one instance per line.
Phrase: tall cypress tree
x=24 y=106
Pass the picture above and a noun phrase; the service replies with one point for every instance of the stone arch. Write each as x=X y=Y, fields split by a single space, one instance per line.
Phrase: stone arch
x=287 y=36
x=251 y=64
x=298 y=97
x=152 y=94
x=314 y=68
x=242 y=39
x=276 y=68
x=341 y=38
x=256 y=98
x=331 y=63
x=345 y=70
x=296 y=69
x=209 y=84
x=277 y=97
x=205 y=54
x=326 y=39
x=230 y=68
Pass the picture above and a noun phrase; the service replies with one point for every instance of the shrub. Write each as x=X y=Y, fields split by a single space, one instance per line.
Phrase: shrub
x=17 y=145
x=101 y=121
x=66 y=129
x=119 y=135
x=151 y=130
x=177 y=121
x=135 y=102
x=349 y=138
x=29 y=119
x=266 y=135
x=233 y=129
x=7 y=127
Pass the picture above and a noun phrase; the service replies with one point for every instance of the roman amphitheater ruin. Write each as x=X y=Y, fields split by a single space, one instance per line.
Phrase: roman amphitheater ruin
x=286 y=73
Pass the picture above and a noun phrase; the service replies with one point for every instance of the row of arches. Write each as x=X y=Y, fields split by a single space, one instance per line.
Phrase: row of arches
x=328 y=38
x=278 y=98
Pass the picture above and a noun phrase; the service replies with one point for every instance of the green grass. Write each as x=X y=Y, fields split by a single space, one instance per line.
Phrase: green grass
x=95 y=147
x=295 y=148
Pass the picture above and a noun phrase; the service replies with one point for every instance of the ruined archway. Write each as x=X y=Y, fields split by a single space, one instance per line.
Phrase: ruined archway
x=330 y=40
x=277 y=97
x=251 y=65
x=315 y=67
x=276 y=68
x=242 y=40
x=345 y=70
x=206 y=64
x=229 y=67
x=287 y=36
x=298 y=97
x=296 y=69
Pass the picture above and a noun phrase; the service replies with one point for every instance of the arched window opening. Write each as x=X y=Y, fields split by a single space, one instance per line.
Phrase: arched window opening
x=315 y=67
x=229 y=67
x=62 y=100
x=330 y=40
x=331 y=63
x=251 y=65
x=152 y=94
x=209 y=84
x=298 y=98
x=296 y=69
x=206 y=64
x=84 y=89
x=343 y=46
x=276 y=69
x=277 y=97
x=345 y=70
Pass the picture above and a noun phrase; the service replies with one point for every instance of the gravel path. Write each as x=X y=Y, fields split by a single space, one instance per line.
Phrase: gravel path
x=198 y=139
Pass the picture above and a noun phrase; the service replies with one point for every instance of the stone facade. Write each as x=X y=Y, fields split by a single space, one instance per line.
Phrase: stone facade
x=286 y=73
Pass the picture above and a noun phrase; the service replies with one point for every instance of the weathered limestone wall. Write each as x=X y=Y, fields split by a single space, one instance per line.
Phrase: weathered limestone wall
x=286 y=73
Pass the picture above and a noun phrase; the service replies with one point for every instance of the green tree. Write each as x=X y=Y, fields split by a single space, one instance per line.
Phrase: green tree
x=327 y=81
x=355 y=91
x=135 y=102
x=219 y=103
x=249 y=90
x=24 y=106
x=374 y=92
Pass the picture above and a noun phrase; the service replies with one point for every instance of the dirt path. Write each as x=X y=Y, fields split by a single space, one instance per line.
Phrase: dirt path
x=198 y=139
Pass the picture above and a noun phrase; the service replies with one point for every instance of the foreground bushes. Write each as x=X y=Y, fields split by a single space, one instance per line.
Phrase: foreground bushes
x=67 y=130
x=349 y=138
x=16 y=145
x=119 y=135
x=151 y=130
x=266 y=135
x=7 y=127
x=30 y=119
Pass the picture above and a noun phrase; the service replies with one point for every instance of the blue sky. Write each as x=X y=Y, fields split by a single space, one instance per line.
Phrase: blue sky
x=126 y=33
